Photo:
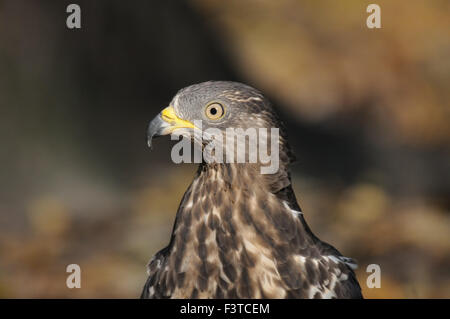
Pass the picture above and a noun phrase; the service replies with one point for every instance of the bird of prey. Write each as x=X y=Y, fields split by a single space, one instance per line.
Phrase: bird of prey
x=239 y=233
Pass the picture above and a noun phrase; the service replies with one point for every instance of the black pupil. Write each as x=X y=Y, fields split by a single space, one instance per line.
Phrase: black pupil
x=213 y=111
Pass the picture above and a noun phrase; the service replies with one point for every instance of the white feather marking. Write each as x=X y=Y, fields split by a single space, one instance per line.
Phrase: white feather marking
x=295 y=213
x=345 y=260
x=300 y=259
x=175 y=102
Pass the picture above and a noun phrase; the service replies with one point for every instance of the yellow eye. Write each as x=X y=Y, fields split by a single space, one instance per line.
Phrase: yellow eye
x=214 y=111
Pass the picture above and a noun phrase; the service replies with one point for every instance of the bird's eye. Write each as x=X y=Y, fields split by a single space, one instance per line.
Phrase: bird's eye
x=214 y=111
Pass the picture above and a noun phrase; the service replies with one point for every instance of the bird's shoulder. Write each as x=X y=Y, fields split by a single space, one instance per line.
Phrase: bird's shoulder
x=329 y=273
x=153 y=286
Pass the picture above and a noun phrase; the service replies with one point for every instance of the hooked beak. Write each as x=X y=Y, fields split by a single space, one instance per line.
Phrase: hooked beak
x=165 y=123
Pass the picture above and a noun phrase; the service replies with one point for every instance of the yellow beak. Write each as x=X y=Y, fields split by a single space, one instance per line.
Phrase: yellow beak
x=165 y=123
x=168 y=115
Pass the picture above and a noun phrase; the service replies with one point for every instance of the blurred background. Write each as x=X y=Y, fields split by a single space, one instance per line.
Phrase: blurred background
x=367 y=112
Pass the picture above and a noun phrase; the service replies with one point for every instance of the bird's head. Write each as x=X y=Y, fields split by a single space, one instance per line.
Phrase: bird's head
x=204 y=111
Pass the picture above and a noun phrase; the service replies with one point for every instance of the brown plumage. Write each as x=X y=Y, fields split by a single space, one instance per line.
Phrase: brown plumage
x=239 y=233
